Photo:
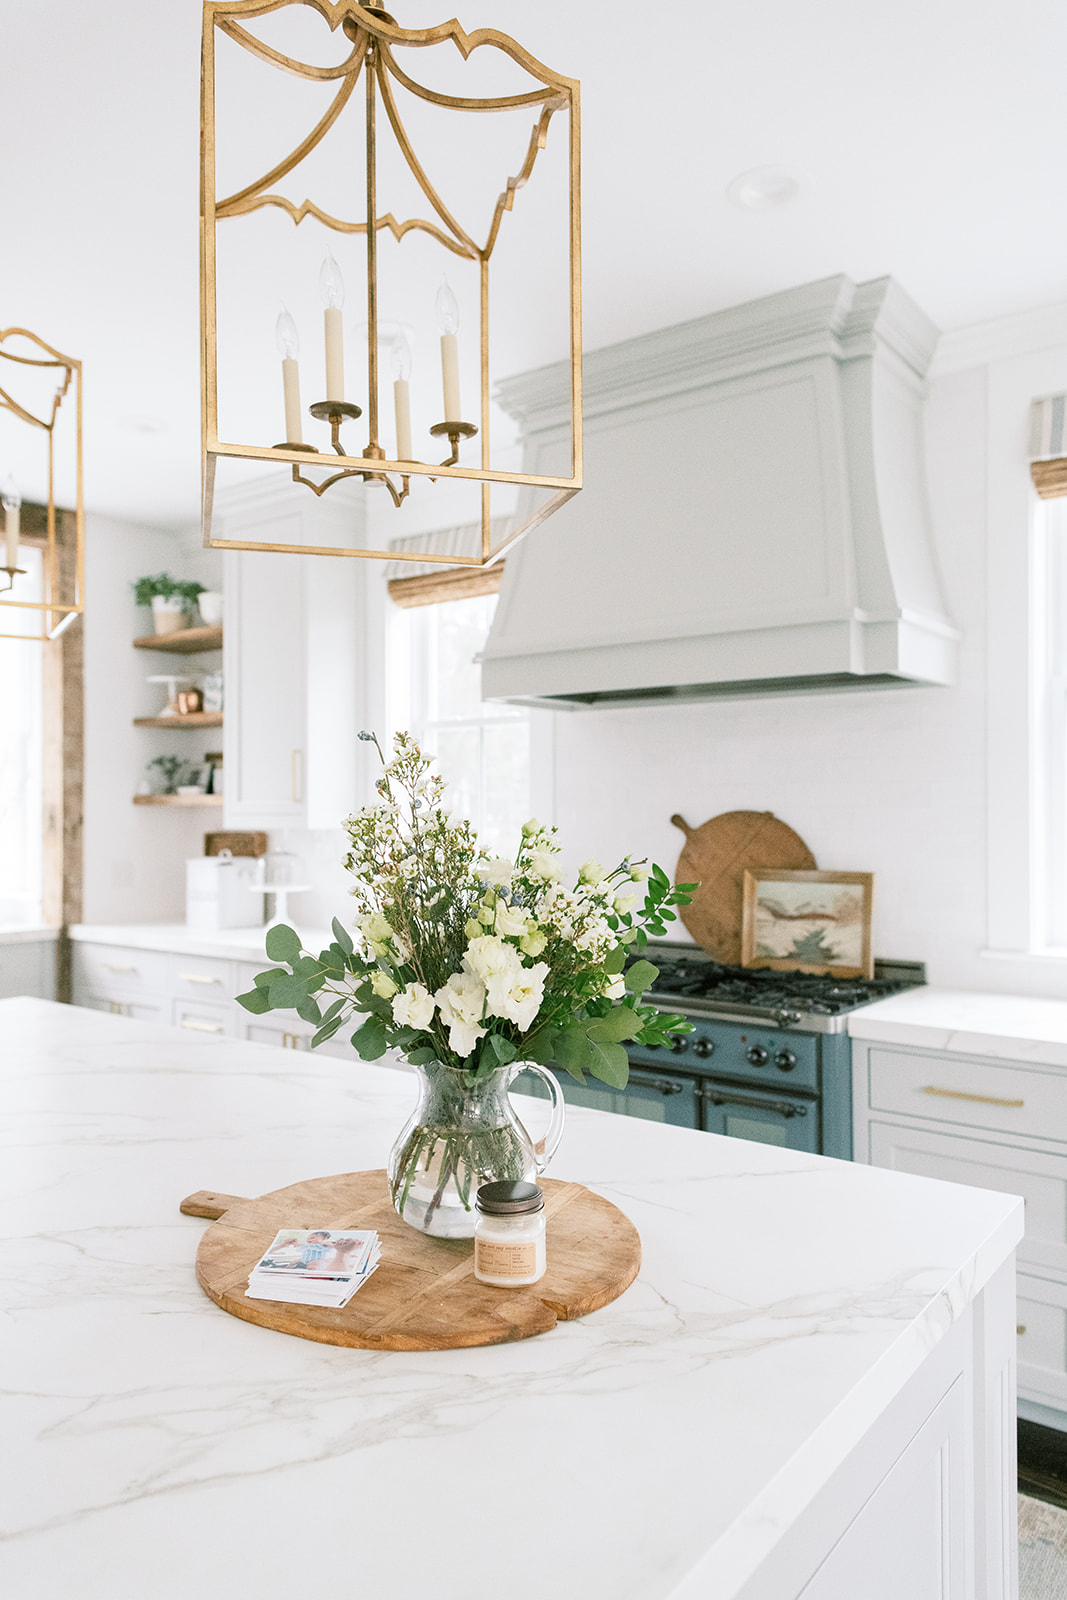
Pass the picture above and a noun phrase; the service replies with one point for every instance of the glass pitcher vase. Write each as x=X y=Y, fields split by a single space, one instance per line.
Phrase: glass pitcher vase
x=462 y=1134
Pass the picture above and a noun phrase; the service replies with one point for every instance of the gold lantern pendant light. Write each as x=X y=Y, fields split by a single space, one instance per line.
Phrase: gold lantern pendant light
x=26 y=360
x=377 y=43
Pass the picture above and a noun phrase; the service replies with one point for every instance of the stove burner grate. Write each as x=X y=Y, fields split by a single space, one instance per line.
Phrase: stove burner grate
x=813 y=993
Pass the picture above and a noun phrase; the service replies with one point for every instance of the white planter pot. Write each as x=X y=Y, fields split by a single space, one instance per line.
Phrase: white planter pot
x=168 y=615
x=210 y=603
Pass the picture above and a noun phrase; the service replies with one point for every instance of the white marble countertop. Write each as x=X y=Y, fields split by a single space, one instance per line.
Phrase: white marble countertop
x=166 y=1449
x=1009 y=1026
x=235 y=944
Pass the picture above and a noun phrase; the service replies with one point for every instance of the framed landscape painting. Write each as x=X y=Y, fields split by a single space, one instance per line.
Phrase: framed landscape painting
x=808 y=922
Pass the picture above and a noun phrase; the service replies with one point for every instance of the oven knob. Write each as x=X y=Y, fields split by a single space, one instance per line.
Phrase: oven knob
x=756 y=1055
x=679 y=1044
x=785 y=1061
x=703 y=1048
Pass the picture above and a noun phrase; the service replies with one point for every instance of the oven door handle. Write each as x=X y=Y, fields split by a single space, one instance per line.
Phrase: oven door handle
x=784 y=1108
x=648 y=1080
x=781 y=1017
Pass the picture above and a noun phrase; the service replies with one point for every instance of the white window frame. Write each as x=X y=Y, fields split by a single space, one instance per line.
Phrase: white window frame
x=22 y=675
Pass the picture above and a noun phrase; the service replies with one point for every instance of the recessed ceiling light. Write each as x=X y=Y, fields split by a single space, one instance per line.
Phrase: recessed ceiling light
x=763 y=188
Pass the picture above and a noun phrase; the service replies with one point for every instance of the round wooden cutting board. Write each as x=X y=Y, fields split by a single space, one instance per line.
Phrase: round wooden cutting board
x=424 y=1295
x=716 y=855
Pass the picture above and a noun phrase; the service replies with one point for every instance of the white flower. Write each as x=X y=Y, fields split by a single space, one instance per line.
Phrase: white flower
x=625 y=903
x=511 y=921
x=377 y=933
x=544 y=865
x=489 y=957
x=498 y=871
x=462 y=1001
x=414 y=1007
x=616 y=988
x=530 y=828
x=591 y=872
x=382 y=984
x=533 y=942
x=522 y=999
x=639 y=874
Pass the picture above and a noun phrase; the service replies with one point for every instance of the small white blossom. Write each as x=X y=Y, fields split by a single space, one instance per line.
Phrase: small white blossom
x=498 y=871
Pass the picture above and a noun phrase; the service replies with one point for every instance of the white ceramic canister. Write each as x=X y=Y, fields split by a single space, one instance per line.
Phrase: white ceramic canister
x=509 y=1235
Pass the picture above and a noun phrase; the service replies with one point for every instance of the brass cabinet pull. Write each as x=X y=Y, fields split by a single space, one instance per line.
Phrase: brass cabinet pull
x=1020 y=1327
x=197 y=977
x=958 y=1094
x=202 y=1027
x=297 y=777
x=118 y=966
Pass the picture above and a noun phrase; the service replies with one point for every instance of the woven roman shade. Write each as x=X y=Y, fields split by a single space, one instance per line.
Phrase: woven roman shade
x=1048 y=445
x=423 y=583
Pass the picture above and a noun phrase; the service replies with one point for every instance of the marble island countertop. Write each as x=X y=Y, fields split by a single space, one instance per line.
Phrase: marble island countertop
x=1006 y=1026
x=234 y=944
x=156 y=1446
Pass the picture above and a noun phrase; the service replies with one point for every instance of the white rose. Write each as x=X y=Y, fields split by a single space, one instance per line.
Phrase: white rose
x=616 y=988
x=530 y=828
x=511 y=921
x=414 y=1007
x=544 y=865
x=489 y=957
x=591 y=872
x=462 y=1001
x=522 y=1000
x=498 y=871
x=382 y=984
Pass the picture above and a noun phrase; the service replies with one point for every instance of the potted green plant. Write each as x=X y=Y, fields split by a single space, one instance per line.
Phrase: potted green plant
x=170 y=598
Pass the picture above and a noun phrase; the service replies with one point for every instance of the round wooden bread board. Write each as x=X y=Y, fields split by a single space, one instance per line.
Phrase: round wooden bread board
x=715 y=855
x=424 y=1295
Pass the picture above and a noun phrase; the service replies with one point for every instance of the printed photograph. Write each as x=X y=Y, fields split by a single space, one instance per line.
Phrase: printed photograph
x=323 y=1252
x=815 y=921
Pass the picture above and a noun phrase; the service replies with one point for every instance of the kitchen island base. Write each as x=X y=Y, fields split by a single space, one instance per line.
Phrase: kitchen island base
x=424 y=1295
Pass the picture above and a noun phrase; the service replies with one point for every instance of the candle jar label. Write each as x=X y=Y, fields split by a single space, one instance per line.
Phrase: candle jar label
x=495 y=1260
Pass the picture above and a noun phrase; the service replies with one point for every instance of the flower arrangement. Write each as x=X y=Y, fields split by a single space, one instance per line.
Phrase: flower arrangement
x=470 y=965
x=471 y=961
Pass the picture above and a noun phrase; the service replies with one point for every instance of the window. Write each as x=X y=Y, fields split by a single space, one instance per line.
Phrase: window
x=21 y=767
x=482 y=749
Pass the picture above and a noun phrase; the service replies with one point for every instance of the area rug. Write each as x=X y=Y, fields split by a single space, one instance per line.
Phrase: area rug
x=1042 y=1550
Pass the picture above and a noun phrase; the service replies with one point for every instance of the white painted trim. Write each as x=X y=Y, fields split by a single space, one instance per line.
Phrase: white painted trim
x=982 y=343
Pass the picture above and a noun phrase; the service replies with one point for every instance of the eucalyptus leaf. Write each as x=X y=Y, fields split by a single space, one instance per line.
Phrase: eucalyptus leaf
x=256 y=1000
x=286 y=993
x=282 y=944
x=327 y=1031
x=502 y=1048
x=618 y=1025
x=610 y=1064
x=615 y=959
x=370 y=1040
x=572 y=1050
x=343 y=937
x=641 y=976
x=333 y=1011
x=308 y=1010
x=422 y=1056
x=263 y=980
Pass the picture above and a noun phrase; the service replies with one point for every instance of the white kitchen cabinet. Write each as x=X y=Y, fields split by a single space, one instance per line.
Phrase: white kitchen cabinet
x=992 y=1124
x=28 y=963
x=300 y=679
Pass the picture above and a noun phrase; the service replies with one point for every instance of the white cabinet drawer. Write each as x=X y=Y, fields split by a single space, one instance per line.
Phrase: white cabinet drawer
x=202 y=978
x=1031 y=1101
x=1040 y=1176
x=143 y=1008
x=285 y=1031
x=196 y=1016
x=102 y=968
x=1041 y=1325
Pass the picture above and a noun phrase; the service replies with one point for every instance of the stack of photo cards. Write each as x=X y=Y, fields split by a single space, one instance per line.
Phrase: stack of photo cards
x=315 y=1266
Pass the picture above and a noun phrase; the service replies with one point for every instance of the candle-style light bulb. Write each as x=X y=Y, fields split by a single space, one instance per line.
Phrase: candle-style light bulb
x=447 y=308
x=12 y=504
x=288 y=341
x=401 y=360
x=332 y=290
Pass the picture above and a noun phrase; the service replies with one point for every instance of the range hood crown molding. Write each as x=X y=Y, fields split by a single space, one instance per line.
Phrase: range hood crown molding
x=754 y=511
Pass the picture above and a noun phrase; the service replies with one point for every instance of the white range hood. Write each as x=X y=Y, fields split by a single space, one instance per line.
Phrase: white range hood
x=754 y=516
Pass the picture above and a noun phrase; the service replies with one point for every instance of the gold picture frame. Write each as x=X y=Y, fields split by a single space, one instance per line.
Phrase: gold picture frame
x=806 y=906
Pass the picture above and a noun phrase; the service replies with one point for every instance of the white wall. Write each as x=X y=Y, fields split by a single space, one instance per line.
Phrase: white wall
x=134 y=855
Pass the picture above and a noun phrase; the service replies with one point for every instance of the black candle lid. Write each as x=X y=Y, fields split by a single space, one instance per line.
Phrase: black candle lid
x=509 y=1199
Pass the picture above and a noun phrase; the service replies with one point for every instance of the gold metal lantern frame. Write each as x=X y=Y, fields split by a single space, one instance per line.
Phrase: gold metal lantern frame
x=21 y=350
x=376 y=42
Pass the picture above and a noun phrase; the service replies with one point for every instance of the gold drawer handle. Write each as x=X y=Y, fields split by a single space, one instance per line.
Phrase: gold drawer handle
x=958 y=1094
x=197 y=977
x=117 y=966
x=1020 y=1327
x=202 y=1027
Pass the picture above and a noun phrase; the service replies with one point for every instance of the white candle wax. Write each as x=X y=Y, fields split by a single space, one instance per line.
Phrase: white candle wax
x=291 y=385
x=11 y=535
x=335 y=353
x=450 y=377
x=402 y=409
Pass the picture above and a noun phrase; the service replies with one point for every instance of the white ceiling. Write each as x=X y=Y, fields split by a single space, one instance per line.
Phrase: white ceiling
x=927 y=135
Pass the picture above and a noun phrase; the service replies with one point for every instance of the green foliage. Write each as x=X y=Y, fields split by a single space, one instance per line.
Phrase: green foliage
x=162 y=584
x=282 y=944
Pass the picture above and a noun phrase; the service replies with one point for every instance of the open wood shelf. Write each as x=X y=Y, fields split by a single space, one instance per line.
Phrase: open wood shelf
x=177 y=799
x=183 y=641
x=192 y=719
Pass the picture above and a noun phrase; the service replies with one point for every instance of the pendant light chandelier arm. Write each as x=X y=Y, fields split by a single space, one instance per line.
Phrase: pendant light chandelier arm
x=235 y=202
x=538 y=140
x=415 y=165
x=509 y=102
x=276 y=58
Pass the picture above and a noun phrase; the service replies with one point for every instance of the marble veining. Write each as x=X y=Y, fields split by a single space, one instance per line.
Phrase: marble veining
x=156 y=1446
x=1005 y=1026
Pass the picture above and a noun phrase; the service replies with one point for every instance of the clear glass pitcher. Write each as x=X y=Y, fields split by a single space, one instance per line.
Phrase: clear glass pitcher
x=465 y=1132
